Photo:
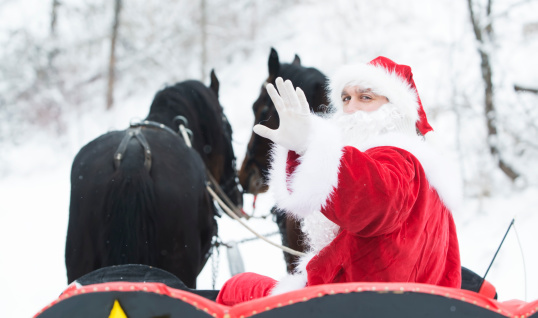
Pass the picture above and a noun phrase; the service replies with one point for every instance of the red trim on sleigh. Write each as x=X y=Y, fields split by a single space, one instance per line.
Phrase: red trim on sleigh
x=513 y=308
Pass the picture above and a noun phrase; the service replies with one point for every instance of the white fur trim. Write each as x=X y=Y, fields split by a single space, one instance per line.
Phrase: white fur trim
x=314 y=179
x=319 y=231
x=381 y=81
x=289 y=283
x=296 y=280
x=442 y=175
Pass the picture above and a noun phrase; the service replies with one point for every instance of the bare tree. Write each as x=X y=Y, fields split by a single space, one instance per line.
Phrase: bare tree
x=484 y=36
x=54 y=17
x=203 y=38
x=53 y=52
x=112 y=60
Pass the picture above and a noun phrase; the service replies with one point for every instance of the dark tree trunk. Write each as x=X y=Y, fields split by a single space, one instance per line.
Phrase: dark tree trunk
x=203 y=38
x=484 y=36
x=54 y=17
x=112 y=60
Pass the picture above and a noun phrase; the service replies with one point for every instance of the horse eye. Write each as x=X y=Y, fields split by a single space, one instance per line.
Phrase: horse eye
x=264 y=110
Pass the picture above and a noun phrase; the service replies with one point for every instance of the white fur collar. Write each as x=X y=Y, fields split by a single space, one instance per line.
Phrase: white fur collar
x=310 y=186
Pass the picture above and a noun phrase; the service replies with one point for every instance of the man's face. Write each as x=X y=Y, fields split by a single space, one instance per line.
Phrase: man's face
x=356 y=98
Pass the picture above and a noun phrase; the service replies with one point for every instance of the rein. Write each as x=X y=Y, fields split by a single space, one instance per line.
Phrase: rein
x=230 y=208
x=185 y=134
x=235 y=217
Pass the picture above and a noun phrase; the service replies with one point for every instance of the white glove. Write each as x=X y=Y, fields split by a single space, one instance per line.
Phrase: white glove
x=294 y=114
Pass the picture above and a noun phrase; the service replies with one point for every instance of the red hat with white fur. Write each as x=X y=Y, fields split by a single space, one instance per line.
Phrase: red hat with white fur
x=386 y=78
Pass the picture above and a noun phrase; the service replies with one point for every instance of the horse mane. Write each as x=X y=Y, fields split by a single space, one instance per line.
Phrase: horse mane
x=301 y=74
x=309 y=79
x=196 y=102
x=207 y=107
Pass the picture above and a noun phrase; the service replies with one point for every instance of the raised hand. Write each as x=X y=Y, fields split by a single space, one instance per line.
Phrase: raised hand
x=294 y=114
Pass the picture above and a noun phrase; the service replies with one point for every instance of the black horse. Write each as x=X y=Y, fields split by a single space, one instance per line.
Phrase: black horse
x=253 y=172
x=138 y=196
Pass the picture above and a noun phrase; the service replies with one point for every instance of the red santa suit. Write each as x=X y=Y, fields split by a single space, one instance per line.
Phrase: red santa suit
x=383 y=206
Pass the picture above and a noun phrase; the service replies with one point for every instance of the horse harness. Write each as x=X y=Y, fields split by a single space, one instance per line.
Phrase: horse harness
x=135 y=131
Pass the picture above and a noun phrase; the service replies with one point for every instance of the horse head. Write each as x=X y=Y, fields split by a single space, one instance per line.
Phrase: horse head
x=211 y=137
x=253 y=172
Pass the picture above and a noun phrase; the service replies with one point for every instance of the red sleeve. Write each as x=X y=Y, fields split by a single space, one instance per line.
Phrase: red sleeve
x=292 y=162
x=244 y=287
x=376 y=190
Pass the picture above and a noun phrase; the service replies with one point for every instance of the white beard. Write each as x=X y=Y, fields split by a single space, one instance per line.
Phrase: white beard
x=319 y=231
x=361 y=126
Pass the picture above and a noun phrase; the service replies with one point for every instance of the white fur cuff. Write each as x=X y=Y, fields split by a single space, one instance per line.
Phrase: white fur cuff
x=296 y=280
x=316 y=176
x=290 y=283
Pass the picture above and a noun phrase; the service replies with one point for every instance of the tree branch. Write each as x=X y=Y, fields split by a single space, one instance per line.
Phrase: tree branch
x=518 y=88
x=490 y=19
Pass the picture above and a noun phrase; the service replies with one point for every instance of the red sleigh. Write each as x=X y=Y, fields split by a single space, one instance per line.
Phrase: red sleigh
x=127 y=299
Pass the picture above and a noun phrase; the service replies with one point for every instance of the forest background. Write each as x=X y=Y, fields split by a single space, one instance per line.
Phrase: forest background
x=72 y=70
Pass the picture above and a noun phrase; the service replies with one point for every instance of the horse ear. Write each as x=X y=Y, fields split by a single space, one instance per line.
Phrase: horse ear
x=214 y=85
x=296 y=60
x=274 y=64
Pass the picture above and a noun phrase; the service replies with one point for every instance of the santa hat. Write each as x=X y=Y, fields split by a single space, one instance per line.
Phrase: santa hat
x=386 y=78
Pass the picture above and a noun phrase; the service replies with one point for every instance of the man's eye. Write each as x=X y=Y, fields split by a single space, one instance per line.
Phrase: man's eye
x=346 y=98
x=366 y=97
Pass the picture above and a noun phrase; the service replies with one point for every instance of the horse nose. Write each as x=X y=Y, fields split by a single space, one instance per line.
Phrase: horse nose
x=244 y=180
x=239 y=198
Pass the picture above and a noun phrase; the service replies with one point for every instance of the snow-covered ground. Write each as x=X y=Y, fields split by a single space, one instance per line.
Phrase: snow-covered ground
x=34 y=175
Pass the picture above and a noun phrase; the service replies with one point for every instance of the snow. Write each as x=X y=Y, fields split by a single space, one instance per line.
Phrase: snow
x=34 y=174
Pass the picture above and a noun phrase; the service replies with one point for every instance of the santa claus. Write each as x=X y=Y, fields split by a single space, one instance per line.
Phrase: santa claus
x=374 y=199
